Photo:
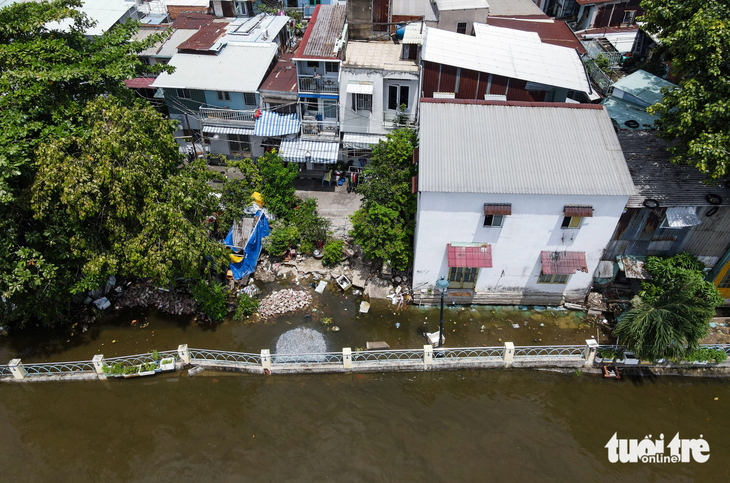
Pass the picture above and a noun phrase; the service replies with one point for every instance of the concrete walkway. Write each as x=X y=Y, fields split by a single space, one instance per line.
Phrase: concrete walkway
x=333 y=202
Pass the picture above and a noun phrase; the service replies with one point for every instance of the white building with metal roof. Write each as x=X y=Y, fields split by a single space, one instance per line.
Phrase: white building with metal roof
x=516 y=200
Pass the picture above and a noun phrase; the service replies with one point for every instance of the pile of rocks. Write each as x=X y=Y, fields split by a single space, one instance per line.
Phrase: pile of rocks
x=284 y=301
x=144 y=294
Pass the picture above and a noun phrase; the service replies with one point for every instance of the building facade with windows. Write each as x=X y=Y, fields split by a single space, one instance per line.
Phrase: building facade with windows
x=378 y=93
x=317 y=61
x=516 y=201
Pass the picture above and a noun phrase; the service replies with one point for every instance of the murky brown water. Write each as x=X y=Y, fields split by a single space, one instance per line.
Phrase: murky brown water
x=444 y=427
x=463 y=327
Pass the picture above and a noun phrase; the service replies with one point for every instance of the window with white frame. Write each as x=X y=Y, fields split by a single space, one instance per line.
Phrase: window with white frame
x=362 y=102
x=329 y=108
x=398 y=96
x=240 y=8
x=183 y=93
x=239 y=143
x=223 y=96
x=249 y=98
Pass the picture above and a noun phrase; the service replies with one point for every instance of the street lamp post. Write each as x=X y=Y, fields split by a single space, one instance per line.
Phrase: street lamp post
x=443 y=285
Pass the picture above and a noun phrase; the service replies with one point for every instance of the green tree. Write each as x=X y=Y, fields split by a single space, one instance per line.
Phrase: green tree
x=47 y=76
x=671 y=314
x=278 y=180
x=384 y=225
x=695 y=37
x=236 y=192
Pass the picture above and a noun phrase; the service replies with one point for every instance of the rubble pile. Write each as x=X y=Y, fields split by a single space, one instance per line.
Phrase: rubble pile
x=284 y=301
x=144 y=294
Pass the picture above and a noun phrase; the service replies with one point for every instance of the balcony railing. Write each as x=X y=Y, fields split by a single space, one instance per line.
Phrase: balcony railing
x=320 y=129
x=228 y=116
x=321 y=84
x=393 y=120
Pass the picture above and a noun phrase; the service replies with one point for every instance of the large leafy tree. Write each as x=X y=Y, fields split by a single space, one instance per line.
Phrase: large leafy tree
x=89 y=178
x=384 y=226
x=695 y=37
x=671 y=314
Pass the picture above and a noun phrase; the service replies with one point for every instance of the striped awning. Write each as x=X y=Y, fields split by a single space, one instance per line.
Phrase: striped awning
x=353 y=140
x=563 y=263
x=298 y=151
x=469 y=255
x=273 y=124
x=582 y=211
x=497 y=209
x=226 y=130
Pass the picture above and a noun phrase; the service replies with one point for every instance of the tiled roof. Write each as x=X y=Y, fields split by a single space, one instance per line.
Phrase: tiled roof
x=502 y=209
x=582 y=211
x=470 y=256
x=563 y=263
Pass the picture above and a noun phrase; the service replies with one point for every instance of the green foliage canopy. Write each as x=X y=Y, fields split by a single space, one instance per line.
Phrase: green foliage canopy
x=384 y=226
x=670 y=316
x=695 y=37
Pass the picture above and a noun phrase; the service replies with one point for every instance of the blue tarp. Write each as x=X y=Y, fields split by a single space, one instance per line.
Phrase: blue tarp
x=252 y=248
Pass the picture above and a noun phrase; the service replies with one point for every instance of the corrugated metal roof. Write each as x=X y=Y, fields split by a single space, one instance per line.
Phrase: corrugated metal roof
x=513 y=147
x=322 y=33
x=139 y=82
x=261 y=28
x=414 y=33
x=464 y=255
x=282 y=79
x=191 y=20
x=657 y=178
x=623 y=112
x=237 y=68
x=444 y=5
x=482 y=30
x=550 y=32
x=103 y=13
x=206 y=38
x=644 y=86
x=516 y=58
x=563 y=263
x=416 y=8
x=514 y=8
x=169 y=48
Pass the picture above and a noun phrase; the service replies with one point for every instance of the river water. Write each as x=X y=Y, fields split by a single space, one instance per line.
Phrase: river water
x=453 y=427
x=495 y=425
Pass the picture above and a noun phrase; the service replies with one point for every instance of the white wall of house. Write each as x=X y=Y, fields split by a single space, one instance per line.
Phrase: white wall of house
x=449 y=19
x=534 y=226
x=372 y=122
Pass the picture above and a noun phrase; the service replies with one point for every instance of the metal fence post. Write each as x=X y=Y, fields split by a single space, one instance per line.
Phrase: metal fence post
x=590 y=353
x=427 y=356
x=98 y=362
x=509 y=354
x=184 y=353
x=347 y=358
x=266 y=359
x=16 y=367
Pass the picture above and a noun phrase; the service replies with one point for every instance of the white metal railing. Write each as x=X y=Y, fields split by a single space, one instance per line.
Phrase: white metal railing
x=322 y=84
x=229 y=116
x=393 y=120
x=338 y=361
x=319 y=128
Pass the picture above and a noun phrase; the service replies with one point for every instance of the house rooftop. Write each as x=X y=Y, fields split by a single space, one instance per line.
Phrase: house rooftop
x=205 y=39
x=192 y=20
x=515 y=9
x=622 y=112
x=416 y=8
x=520 y=148
x=261 y=28
x=644 y=86
x=383 y=55
x=657 y=178
x=551 y=32
x=444 y=5
x=514 y=57
x=323 y=33
x=169 y=47
x=236 y=68
x=282 y=79
x=105 y=14
x=414 y=33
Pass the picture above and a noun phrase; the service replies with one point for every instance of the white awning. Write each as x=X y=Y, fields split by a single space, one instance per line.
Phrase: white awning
x=226 y=130
x=352 y=140
x=298 y=151
x=360 y=88
x=682 y=217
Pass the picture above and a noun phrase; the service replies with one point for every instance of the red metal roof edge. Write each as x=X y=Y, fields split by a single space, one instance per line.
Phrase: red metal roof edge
x=563 y=105
x=307 y=33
